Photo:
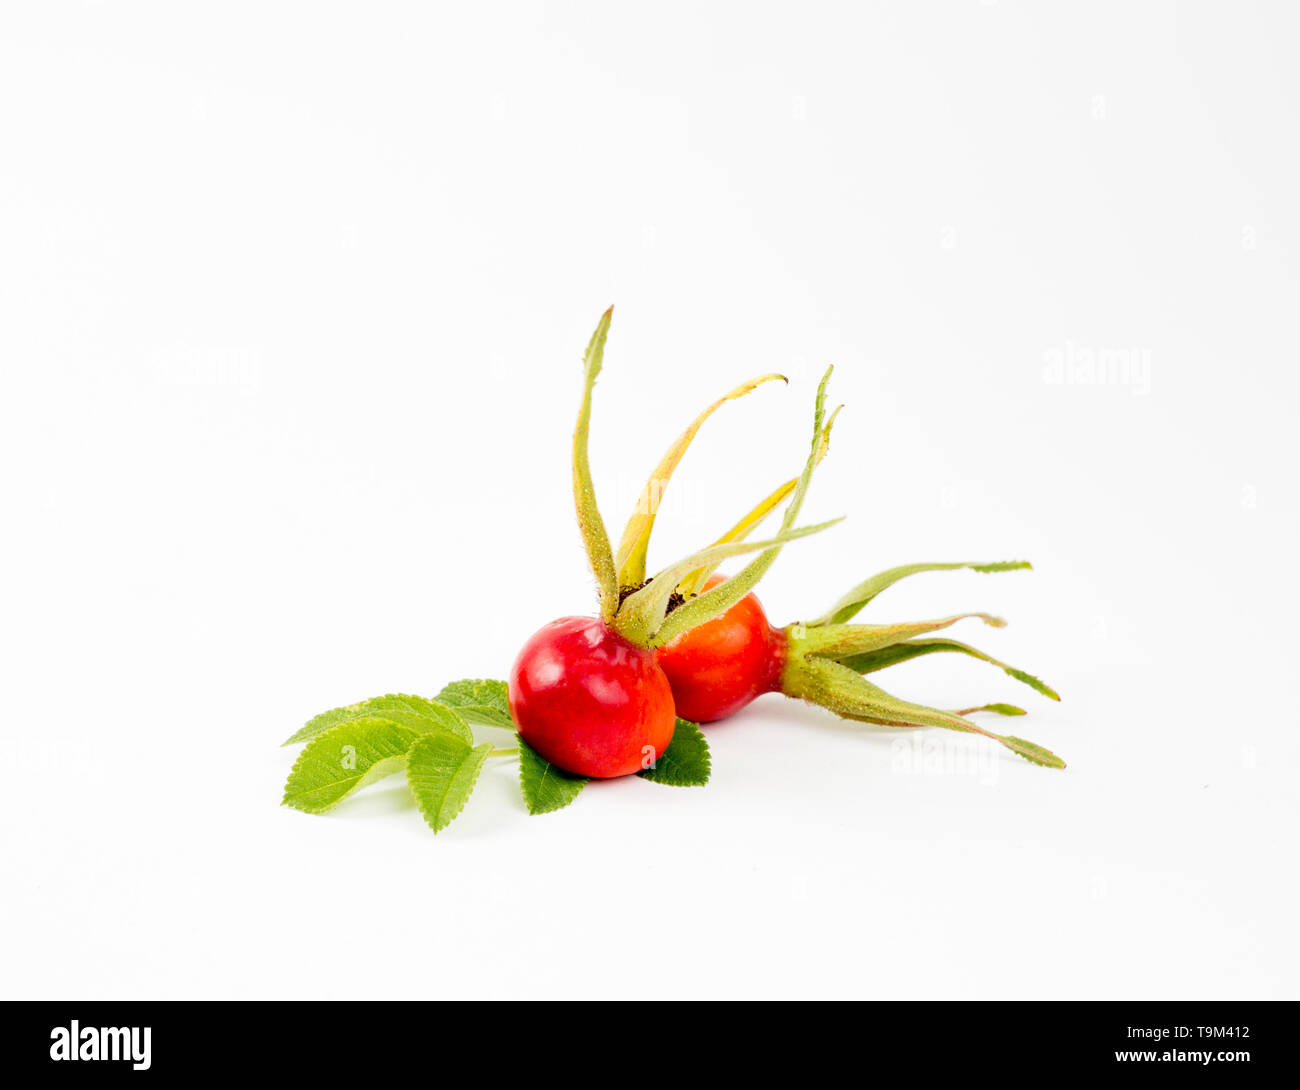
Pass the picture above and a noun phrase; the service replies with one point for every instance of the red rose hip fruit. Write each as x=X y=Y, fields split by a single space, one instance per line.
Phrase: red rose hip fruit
x=716 y=668
x=589 y=701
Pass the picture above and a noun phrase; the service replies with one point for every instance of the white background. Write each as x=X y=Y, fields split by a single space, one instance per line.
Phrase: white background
x=292 y=304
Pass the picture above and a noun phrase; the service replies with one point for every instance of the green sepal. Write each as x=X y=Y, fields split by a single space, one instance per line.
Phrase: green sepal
x=694 y=581
x=600 y=553
x=845 y=641
x=686 y=761
x=849 y=605
x=713 y=603
x=545 y=786
x=642 y=615
x=909 y=649
x=851 y=696
x=1032 y=752
x=630 y=559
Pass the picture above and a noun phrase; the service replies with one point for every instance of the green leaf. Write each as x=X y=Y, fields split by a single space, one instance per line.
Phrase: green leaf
x=413 y=712
x=686 y=762
x=721 y=598
x=442 y=771
x=600 y=554
x=479 y=701
x=545 y=787
x=344 y=759
x=909 y=649
x=996 y=709
x=847 y=607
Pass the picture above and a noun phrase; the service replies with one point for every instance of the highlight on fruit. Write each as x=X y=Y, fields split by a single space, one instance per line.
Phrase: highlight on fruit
x=622 y=692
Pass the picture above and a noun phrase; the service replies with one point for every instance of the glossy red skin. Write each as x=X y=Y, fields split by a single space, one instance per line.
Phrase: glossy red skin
x=718 y=667
x=589 y=701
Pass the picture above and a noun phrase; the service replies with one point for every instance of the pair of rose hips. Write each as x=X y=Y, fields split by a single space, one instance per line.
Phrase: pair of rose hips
x=600 y=696
x=593 y=702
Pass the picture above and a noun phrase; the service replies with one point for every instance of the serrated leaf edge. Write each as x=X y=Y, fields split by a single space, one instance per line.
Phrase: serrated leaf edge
x=395 y=761
x=489 y=714
x=653 y=775
x=582 y=780
x=483 y=751
x=302 y=735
